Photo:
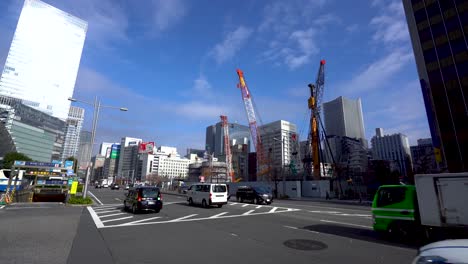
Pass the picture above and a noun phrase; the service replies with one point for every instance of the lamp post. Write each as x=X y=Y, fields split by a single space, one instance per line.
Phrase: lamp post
x=96 y=108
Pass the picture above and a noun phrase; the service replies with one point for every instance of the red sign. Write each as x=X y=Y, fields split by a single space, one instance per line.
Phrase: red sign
x=146 y=147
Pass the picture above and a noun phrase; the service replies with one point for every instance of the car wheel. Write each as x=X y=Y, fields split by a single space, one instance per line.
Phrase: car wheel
x=204 y=205
x=190 y=201
x=134 y=209
x=220 y=205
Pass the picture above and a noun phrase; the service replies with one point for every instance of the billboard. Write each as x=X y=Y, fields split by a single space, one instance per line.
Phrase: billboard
x=146 y=147
x=115 y=151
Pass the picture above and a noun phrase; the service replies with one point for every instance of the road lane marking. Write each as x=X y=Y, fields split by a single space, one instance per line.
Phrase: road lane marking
x=117 y=199
x=341 y=223
x=214 y=216
x=117 y=219
x=95 y=198
x=96 y=219
x=102 y=216
x=102 y=212
x=245 y=205
x=291 y=227
x=258 y=207
x=340 y=213
x=182 y=218
x=105 y=208
x=232 y=234
x=327 y=207
x=248 y=212
x=3 y=206
x=232 y=203
x=273 y=209
x=139 y=221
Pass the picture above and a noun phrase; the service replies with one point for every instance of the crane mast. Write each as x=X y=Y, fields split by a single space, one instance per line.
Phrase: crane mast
x=227 y=148
x=249 y=108
x=316 y=92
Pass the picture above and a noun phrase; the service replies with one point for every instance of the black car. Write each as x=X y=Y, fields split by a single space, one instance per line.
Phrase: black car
x=115 y=187
x=255 y=194
x=143 y=199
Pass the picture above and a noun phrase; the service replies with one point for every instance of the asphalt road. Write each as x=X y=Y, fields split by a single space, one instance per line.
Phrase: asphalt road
x=283 y=232
x=286 y=231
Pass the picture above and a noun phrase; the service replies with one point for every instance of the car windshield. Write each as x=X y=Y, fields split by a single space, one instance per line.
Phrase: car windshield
x=147 y=192
x=219 y=188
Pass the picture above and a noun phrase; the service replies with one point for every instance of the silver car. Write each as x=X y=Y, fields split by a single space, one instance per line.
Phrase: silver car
x=447 y=251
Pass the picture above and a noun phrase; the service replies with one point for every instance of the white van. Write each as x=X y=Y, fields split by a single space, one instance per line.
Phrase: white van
x=208 y=194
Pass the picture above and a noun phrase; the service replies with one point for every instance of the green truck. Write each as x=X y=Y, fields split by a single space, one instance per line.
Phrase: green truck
x=436 y=205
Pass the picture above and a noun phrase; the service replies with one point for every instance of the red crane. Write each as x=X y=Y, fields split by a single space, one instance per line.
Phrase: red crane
x=227 y=147
x=254 y=131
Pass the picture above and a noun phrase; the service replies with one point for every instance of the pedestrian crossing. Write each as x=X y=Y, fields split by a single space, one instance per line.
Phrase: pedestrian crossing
x=113 y=215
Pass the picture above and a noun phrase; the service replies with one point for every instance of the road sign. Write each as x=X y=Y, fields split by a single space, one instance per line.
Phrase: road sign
x=69 y=164
x=74 y=187
x=69 y=172
x=70 y=181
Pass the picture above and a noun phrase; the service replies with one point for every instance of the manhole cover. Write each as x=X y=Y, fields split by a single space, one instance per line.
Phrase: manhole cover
x=305 y=244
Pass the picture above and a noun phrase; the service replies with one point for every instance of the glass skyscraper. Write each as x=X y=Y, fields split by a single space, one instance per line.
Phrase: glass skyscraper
x=72 y=134
x=44 y=58
x=439 y=30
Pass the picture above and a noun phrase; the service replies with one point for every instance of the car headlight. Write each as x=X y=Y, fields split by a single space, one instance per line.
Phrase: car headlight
x=430 y=259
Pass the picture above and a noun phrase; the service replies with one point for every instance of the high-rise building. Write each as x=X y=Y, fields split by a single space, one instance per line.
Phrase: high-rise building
x=104 y=146
x=281 y=145
x=439 y=33
x=423 y=157
x=44 y=58
x=199 y=152
x=73 y=130
x=128 y=155
x=164 y=162
x=32 y=132
x=84 y=149
x=393 y=148
x=343 y=117
x=238 y=134
x=111 y=164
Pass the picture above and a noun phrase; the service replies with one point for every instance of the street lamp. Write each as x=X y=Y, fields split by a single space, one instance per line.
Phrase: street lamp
x=96 y=108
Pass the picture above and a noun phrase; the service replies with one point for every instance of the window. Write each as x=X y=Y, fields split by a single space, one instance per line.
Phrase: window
x=389 y=196
x=219 y=188
x=153 y=192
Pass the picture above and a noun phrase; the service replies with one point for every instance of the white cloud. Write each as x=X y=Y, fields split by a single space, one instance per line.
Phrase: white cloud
x=352 y=28
x=377 y=74
x=390 y=25
x=167 y=13
x=231 y=44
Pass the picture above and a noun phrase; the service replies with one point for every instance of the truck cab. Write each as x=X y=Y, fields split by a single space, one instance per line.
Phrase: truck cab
x=395 y=209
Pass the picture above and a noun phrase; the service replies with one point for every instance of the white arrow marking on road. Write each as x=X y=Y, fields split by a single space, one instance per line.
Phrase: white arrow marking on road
x=248 y=212
x=341 y=223
x=214 y=216
x=245 y=205
x=102 y=216
x=182 y=218
x=138 y=221
x=122 y=218
x=273 y=209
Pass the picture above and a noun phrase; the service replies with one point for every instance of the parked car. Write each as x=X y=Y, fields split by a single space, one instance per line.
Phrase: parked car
x=143 y=198
x=98 y=186
x=183 y=189
x=255 y=194
x=127 y=187
x=115 y=187
x=207 y=194
x=446 y=251
x=105 y=185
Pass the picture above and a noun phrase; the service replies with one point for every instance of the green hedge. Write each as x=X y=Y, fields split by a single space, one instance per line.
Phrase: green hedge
x=79 y=200
x=80 y=188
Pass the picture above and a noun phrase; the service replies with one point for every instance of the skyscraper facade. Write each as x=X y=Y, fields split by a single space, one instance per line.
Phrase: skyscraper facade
x=343 y=117
x=44 y=58
x=72 y=133
x=238 y=134
x=393 y=148
x=439 y=34
x=127 y=155
x=84 y=149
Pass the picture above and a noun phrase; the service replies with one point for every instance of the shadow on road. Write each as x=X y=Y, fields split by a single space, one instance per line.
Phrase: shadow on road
x=366 y=235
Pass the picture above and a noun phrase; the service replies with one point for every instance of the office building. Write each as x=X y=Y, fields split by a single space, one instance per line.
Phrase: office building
x=423 y=157
x=347 y=153
x=111 y=164
x=343 y=117
x=281 y=145
x=240 y=161
x=33 y=133
x=439 y=32
x=73 y=130
x=207 y=170
x=44 y=58
x=238 y=134
x=393 y=148
x=164 y=162
x=199 y=152
x=84 y=149
x=128 y=155
x=104 y=147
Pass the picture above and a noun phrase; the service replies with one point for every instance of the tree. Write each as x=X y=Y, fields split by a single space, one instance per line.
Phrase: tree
x=75 y=163
x=10 y=157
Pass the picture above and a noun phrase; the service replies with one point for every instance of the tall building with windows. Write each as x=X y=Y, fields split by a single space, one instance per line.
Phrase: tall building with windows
x=238 y=134
x=72 y=133
x=44 y=58
x=439 y=34
x=84 y=149
x=128 y=155
x=343 y=117
x=392 y=148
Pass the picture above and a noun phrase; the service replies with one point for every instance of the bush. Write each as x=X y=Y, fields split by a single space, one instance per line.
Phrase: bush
x=79 y=200
x=79 y=188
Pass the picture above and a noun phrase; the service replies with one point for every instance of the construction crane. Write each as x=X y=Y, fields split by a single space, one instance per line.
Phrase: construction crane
x=315 y=99
x=254 y=131
x=227 y=148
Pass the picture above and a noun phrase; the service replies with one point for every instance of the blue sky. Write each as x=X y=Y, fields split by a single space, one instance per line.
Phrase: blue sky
x=173 y=63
